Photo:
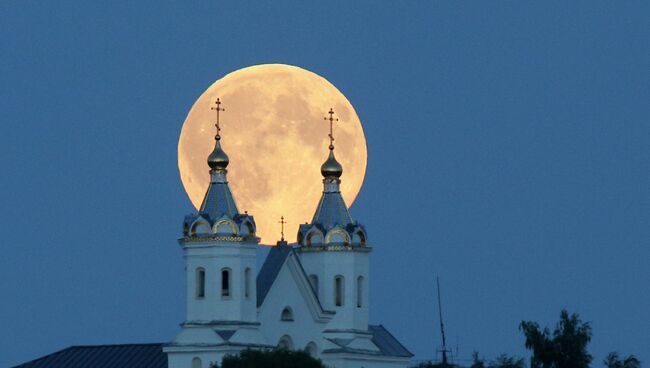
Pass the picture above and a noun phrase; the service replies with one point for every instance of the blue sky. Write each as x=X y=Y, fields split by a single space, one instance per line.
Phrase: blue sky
x=508 y=153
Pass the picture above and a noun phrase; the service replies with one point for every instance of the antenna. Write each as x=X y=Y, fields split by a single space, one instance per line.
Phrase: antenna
x=444 y=350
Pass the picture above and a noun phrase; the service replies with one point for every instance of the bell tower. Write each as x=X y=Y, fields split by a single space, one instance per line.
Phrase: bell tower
x=219 y=252
x=334 y=252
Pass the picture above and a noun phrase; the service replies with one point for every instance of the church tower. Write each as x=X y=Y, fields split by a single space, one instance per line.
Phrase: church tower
x=335 y=255
x=219 y=252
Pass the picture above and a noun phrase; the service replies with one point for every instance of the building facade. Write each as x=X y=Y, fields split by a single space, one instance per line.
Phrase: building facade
x=311 y=295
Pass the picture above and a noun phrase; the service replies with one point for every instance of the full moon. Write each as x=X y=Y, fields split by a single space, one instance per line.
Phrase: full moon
x=274 y=132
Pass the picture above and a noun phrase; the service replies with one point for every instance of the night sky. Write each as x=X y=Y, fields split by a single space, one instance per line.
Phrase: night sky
x=508 y=153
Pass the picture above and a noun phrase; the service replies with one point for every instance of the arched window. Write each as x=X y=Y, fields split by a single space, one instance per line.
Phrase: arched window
x=359 y=291
x=247 y=283
x=287 y=314
x=313 y=279
x=225 y=228
x=286 y=343
x=200 y=282
x=196 y=363
x=201 y=228
x=338 y=291
x=311 y=349
x=225 y=282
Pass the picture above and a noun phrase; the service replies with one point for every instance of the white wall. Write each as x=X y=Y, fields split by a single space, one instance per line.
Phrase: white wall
x=213 y=257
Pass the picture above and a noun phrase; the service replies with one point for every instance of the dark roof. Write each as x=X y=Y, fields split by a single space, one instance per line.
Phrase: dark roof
x=386 y=342
x=103 y=356
x=218 y=201
x=332 y=211
x=152 y=355
x=270 y=270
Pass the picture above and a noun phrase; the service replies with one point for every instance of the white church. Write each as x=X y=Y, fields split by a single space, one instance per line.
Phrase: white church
x=311 y=295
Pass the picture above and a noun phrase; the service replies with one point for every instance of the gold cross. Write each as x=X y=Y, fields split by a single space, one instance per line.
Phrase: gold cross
x=282 y=222
x=332 y=120
x=217 y=109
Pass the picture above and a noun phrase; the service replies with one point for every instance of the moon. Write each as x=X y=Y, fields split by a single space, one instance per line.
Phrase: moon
x=274 y=132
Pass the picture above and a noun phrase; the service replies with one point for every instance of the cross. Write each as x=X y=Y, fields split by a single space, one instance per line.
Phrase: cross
x=332 y=120
x=217 y=109
x=282 y=222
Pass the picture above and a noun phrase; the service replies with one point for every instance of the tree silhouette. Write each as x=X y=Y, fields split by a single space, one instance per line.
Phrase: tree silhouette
x=279 y=358
x=565 y=348
x=476 y=361
x=504 y=361
x=613 y=361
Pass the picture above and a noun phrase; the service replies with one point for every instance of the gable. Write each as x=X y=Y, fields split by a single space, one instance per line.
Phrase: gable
x=283 y=257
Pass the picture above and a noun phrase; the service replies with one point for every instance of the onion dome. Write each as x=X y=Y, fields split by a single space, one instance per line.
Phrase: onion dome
x=218 y=160
x=331 y=167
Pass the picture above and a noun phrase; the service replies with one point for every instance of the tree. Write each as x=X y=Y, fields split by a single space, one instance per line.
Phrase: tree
x=476 y=361
x=431 y=364
x=504 y=361
x=613 y=361
x=279 y=358
x=565 y=348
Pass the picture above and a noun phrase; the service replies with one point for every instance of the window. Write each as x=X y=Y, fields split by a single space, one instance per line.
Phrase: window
x=285 y=343
x=338 y=291
x=287 y=314
x=359 y=291
x=313 y=280
x=200 y=282
x=311 y=349
x=225 y=282
x=196 y=363
x=247 y=283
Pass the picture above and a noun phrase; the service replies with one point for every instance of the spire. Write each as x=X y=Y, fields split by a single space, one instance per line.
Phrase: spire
x=218 y=160
x=332 y=215
x=218 y=199
x=331 y=168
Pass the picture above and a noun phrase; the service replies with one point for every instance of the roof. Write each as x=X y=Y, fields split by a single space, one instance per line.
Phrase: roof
x=103 y=356
x=270 y=270
x=332 y=211
x=384 y=340
x=387 y=343
x=218 y=201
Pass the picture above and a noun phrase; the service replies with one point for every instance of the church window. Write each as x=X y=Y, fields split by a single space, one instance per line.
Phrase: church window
x=287 y=314
x=224 y=228
x=196 y=363
x=200 y=282
x=338 y=291
x=313 y=279
x=286 y=343
x=247 y=283
x=311 y=349
x=225 y=282
x=359 y=291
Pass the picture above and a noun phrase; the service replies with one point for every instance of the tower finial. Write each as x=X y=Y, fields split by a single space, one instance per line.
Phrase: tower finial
x=218 y=160
x=217 y=109
x=332 y=120
x=282 y=222
x=331 y=168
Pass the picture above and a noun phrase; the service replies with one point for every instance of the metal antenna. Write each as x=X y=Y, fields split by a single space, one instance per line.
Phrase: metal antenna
x=444 y=350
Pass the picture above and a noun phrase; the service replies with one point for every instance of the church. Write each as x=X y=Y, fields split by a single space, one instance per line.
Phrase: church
x=311 y=295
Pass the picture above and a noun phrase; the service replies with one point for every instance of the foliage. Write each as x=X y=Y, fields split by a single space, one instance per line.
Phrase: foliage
x=476 y=361
x=504 y=361
x=279 y=358
x=613 y=361
x=430 y=364
x=565 y=348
